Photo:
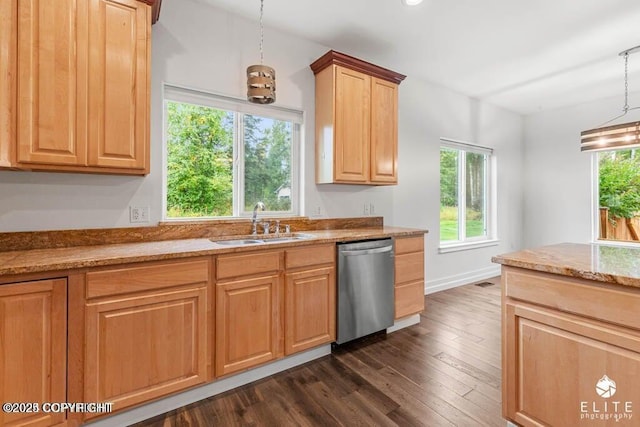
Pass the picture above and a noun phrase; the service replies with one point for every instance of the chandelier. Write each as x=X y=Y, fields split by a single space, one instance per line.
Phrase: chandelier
x=626 y=135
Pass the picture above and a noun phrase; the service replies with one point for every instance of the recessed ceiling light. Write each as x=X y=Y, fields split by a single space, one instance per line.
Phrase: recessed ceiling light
x=411 y=2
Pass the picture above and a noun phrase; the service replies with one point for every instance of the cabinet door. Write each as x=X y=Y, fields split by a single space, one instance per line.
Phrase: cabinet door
x=352 y=126
x=589 y=363
x=33 y=353
x=8 y=58
x=145 y=346
x=310 y=309
x=384 y=131
x=118 y=83
x=247 y=323
x=47 y=131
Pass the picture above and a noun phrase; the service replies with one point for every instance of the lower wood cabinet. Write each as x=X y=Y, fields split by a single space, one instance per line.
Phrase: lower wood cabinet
x=133 y=333
x=567 y=358
x=409 y=280
x=310 y=300
x=33 y=351
x=247 y=323
x=146 y=331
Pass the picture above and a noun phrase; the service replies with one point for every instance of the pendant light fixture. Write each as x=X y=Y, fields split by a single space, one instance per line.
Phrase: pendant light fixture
x=261 y=79
x=626 y=135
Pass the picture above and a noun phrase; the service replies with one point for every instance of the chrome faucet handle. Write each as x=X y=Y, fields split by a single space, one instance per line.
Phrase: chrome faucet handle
x=277 y=230
x=266 y=225
x=287 y=229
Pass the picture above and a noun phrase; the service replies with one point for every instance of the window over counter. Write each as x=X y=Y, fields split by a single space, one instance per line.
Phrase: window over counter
x=466 y=196
x=223 y=155
x=617 y=191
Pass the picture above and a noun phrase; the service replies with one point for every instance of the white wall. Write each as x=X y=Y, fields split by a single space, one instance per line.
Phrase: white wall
x=558 y=176
x=199 y=46
x=428 y=112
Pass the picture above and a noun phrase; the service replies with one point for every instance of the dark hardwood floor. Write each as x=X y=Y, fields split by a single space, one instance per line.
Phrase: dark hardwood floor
x=444 y=371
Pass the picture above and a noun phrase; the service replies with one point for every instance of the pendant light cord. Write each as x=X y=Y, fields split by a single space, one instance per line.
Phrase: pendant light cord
x=625 y=108
x=261 y=32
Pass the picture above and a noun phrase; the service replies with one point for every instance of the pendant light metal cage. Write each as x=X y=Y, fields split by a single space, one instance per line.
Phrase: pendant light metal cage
x=261 y=84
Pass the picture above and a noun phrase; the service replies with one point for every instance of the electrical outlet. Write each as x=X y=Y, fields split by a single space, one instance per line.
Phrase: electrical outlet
x=138 y=214
x=366 y=209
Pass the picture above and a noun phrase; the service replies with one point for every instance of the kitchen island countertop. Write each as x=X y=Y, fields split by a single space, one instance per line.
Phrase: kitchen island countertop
x=56 y=259
x=603 y=263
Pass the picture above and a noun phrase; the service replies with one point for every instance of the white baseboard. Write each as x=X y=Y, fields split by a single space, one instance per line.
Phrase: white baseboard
x=510 y=424
x=404 y=322
x=170 y=403
x=449 y=282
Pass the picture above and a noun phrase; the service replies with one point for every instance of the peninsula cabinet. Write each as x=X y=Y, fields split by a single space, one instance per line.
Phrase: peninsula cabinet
x=147 y=331
x=310 y=297
x=571 y=350
x=33 y=352
x=74 y=85
x=409 y=276
x=248 y=316
x=356 y=121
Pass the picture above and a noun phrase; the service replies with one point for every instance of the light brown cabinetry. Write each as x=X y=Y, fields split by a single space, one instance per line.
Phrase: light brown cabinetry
x=147 y=331
x=409 y=280
x=561 y=337
x=310 y=297
x=33 y=353
x=248 y=316
x=356 y=121
x=75 y=85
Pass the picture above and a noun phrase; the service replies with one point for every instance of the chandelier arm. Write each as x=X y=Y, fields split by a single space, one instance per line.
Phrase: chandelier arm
x=619 y=116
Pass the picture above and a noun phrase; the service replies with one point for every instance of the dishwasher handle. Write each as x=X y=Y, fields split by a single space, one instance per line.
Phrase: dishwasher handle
x=367 y=251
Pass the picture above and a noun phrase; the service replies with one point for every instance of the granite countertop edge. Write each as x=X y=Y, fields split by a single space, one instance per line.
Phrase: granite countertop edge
x=78 y=257
x=620 y=266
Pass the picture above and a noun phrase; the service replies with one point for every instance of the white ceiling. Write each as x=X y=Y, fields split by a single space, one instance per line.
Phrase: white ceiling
x=523 y=55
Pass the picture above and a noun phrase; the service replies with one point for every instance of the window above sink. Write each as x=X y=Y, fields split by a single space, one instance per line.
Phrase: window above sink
x=223 y=155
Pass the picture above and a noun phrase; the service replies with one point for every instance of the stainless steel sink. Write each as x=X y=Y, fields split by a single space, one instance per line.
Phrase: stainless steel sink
x=244 y=242
x=284 y=239
x=238 y=242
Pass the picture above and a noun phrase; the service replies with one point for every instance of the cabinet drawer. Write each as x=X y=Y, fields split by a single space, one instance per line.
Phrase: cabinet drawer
x=409 y=267
x=409 y=244
x=146 y=277
x=245 y=265
x=609 y=303
x=409 y=299
x=310 y=255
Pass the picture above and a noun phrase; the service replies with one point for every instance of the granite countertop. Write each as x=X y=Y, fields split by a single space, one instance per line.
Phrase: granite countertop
x=40 y=260
x=603 y=263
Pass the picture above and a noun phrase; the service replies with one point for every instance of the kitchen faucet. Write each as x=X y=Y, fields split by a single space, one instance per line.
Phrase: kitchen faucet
x=254 y=218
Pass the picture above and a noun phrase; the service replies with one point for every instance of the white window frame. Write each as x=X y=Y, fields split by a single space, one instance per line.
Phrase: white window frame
x=240 y=107
x=490 y=218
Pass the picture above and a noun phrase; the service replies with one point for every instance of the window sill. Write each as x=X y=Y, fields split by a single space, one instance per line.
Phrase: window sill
x=456 y=247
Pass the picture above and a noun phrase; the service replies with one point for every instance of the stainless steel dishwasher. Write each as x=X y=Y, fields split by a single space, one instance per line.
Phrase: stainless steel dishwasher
x=365 y=288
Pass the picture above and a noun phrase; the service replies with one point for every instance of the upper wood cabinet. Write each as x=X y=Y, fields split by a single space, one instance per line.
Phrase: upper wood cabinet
x=75 y=85
x=356 y=121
